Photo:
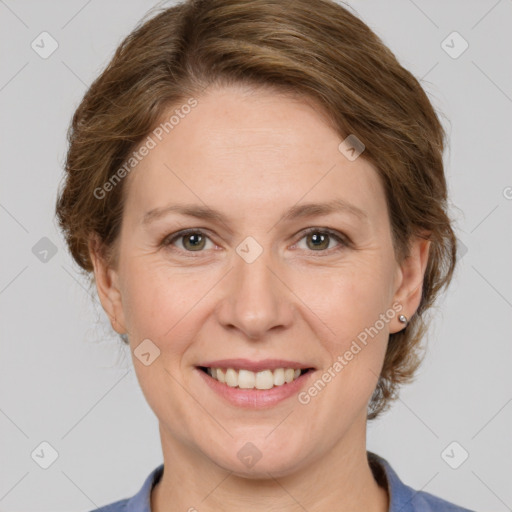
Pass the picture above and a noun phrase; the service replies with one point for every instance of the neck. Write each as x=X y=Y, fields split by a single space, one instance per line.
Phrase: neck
x=340 y=479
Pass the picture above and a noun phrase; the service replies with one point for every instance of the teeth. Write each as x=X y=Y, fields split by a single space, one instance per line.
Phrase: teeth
x=278 y=377
x=245 y=379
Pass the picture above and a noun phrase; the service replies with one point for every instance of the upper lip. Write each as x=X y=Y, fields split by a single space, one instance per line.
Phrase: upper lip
x=255 y=366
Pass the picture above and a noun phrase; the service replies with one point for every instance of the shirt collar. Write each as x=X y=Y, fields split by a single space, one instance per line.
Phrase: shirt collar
x=401 y=496
x=141 y=502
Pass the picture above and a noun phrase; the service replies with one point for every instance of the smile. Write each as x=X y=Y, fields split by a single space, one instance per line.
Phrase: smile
x=246 y=379
x=255 y=384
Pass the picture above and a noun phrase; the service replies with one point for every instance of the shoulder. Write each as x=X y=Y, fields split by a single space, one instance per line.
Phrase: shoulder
x=402 y=497
x=141 y=501
x=426 y=502
x=118 y=506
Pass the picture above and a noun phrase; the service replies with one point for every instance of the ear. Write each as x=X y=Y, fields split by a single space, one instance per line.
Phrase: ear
x=409 y=281
x=107 y=284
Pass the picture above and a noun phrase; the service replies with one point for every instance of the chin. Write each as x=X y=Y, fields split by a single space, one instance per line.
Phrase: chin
x=257 y=460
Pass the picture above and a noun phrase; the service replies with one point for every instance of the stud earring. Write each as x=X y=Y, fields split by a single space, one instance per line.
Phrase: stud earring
x=403 y=319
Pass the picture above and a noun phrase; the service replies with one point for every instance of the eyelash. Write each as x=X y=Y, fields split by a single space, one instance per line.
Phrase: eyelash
x=342 y=240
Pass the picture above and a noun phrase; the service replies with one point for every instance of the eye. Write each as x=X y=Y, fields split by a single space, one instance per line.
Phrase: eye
x=319 y=240
x=193 y=240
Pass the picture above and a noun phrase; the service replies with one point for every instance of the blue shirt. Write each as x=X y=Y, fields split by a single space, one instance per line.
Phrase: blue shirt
x=402 y=497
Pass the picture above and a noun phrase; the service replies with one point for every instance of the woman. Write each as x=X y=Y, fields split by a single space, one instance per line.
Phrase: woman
x=257 y=191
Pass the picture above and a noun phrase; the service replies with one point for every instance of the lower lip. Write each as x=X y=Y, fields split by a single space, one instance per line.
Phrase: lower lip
x=256 y=398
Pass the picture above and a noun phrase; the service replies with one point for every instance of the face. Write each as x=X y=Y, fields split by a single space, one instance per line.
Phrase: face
x=267 y=281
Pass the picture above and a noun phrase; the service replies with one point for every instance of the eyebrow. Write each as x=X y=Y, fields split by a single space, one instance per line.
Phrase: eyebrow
x=298 y=211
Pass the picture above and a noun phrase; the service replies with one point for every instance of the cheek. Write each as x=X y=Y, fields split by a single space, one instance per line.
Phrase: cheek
x=347 y=299
x=164 y=304
x=152 y=301
x=356 y=343
x=159 y=306
x=353 y=315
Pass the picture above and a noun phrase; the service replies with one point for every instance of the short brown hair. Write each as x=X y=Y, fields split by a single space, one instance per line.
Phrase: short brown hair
x=313 y=48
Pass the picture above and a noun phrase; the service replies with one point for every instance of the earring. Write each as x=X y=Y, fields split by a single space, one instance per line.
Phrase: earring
x=403 y=319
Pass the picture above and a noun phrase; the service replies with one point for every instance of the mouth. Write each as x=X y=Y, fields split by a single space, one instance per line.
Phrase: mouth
x=249 y=384
x=264 y=379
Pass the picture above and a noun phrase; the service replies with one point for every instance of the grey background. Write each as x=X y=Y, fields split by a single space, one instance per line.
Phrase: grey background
x=64 y=378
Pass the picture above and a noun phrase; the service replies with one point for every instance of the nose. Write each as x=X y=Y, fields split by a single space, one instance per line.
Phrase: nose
x=256 y=298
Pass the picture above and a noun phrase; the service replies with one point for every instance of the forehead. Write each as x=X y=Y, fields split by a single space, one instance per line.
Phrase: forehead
x=250 y=151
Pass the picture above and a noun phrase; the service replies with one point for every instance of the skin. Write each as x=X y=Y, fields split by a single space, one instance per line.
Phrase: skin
x=252 y=155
